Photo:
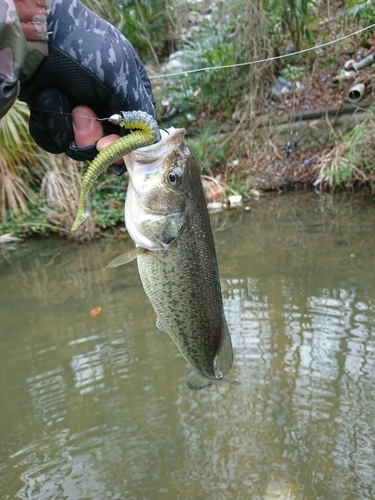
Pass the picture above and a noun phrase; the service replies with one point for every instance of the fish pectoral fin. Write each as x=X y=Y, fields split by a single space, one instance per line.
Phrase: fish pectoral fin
x=196 y=381
x=127 y=257
x=160 y=325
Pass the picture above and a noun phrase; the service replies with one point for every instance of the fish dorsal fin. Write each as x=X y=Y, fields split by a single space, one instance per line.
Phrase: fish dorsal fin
x=195 y=380
x=127 y=257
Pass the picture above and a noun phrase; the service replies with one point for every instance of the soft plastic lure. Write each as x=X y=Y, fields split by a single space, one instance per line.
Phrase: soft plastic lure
x=145 y=132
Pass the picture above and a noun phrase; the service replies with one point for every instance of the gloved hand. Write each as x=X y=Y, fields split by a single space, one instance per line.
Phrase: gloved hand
x=91 y=63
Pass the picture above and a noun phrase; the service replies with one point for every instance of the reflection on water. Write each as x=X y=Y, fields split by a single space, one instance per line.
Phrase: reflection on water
x=98 y=408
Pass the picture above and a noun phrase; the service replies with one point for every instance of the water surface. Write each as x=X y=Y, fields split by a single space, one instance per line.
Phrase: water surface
x=98 y=408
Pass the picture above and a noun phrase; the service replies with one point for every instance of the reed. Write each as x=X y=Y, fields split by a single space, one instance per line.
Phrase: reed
x=60 y=191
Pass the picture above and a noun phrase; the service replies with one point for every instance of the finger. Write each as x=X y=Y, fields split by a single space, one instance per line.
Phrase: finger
x=106 y=141
x=87 y=130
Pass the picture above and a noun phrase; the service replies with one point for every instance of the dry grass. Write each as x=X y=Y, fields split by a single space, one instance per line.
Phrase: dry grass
x=351 y=162
x=23 y=165
x=60 y=191
x=14 y=193
x=253 y=44
x=17 y=147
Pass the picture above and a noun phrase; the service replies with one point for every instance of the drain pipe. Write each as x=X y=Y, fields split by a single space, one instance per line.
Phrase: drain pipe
x=352 y=64
x=355 y=94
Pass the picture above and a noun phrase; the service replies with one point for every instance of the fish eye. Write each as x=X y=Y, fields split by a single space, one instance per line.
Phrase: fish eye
x=174 y=177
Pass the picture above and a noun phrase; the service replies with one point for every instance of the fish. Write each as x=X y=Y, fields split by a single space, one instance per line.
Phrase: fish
x=166 y=216
x=146 y=132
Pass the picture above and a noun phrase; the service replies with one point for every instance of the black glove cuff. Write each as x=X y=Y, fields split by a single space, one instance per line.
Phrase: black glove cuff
x=82 y=154
x=118 y=169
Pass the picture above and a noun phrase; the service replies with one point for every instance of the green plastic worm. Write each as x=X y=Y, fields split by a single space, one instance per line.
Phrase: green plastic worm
x=147 y=134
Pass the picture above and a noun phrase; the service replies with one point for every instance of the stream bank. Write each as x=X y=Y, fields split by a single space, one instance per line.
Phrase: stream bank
x=310 y=150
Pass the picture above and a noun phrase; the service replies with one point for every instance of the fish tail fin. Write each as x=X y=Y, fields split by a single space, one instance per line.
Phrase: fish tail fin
x=197 y=381
x=224 y=357
x=233 y=382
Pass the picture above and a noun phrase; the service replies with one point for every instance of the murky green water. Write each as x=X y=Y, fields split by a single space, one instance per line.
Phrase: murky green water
x=98 y=408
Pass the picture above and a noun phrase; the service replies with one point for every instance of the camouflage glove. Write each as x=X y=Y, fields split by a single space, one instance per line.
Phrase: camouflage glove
x=89 y=62
x=23 y=45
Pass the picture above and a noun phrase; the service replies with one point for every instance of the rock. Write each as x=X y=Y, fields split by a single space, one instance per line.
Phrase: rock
x=281 y=87
x=215 y=206
x=235 y=200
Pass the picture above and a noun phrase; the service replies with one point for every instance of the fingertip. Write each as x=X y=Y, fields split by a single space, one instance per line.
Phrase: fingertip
x=106 y=141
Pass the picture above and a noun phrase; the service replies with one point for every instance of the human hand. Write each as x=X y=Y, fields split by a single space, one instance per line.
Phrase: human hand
x=90 y=63
x=87 y=131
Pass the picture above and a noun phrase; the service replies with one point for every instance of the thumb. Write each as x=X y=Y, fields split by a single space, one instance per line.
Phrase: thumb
x=87 y=130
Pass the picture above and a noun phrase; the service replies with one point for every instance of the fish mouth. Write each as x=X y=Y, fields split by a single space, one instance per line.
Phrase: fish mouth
x=170 y=138
x=151 y=223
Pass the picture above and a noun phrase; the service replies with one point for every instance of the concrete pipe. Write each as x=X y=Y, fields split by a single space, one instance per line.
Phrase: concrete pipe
x=355 y=94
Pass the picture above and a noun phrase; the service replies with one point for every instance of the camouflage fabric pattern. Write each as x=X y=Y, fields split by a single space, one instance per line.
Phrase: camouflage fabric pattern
x=33 y=17
x=23 y=45
x=106 y=53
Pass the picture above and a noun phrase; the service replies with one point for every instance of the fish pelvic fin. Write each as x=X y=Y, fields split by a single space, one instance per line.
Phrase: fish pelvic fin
x=224 y=356
x=127 y=257
x=196 y=381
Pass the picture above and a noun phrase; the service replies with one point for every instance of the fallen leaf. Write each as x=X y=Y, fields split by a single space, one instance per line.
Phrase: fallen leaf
x=94 y=312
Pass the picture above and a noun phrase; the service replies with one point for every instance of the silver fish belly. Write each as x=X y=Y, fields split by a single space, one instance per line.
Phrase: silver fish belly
x=166 y=216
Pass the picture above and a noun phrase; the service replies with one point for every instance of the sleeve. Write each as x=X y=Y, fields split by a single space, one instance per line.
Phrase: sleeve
x=23 y=45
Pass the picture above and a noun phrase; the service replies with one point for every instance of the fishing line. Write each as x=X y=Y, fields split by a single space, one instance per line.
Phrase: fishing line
x=68 y=114
x=258 y=61
x=237 y=65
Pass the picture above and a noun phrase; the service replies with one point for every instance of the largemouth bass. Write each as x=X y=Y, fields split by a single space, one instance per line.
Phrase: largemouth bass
x=166 y=216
